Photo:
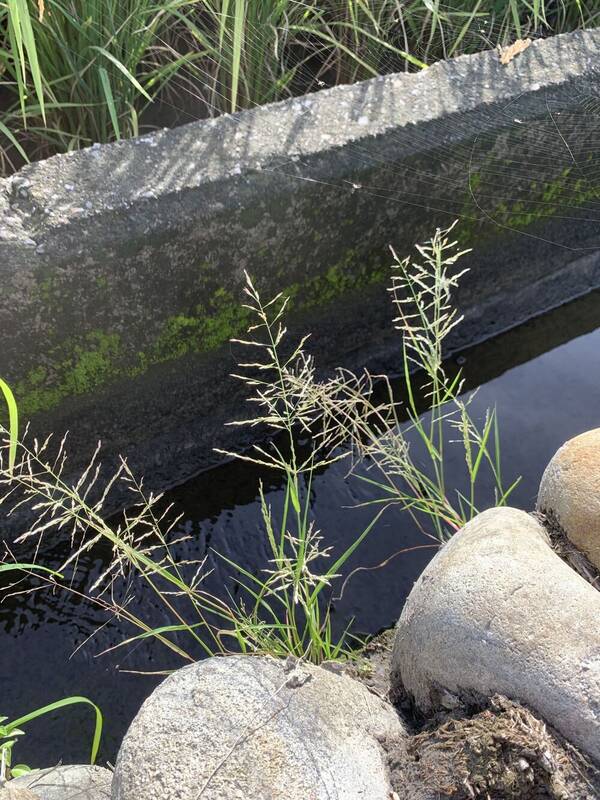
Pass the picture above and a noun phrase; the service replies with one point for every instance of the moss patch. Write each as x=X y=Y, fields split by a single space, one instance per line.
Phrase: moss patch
x=540 y=201
x=82 y=365
x=94 y=359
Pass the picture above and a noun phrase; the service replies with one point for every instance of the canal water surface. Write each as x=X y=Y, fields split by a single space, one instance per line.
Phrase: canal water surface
x=544 y=379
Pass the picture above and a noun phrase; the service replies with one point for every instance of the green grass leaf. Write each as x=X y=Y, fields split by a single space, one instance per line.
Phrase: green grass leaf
x=18 y=566
x=13 y=422
x=110 y=101
x=21 y=19
x=14 y=141
x=68 y=701
x=123 y=70
x=238 y=44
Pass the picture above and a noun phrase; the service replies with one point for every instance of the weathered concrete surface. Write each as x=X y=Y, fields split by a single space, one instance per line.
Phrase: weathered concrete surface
x=570 y=492
x=245 y=727
x=74 y=782
x=121 y=265
x=497 y=611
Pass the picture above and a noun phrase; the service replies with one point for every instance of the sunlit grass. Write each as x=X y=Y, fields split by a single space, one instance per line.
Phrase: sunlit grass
x=83 y=72
x=13 y=422
x=285 y=608
x=87 y=72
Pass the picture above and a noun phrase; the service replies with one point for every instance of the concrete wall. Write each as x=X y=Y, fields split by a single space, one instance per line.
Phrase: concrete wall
x=122 y=265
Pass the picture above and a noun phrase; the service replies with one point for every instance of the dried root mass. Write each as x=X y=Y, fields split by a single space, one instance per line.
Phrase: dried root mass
x=501 y=753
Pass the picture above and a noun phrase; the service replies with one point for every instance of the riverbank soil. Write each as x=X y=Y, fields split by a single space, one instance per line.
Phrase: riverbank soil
x=495 y=749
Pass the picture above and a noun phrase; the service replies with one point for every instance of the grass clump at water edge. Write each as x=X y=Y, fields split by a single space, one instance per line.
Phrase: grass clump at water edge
x=286 y=608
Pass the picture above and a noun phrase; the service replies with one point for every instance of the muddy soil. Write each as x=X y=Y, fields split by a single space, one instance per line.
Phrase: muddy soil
x=492 y=749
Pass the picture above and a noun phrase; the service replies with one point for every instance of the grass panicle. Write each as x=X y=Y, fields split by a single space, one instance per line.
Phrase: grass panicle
x=400 y=450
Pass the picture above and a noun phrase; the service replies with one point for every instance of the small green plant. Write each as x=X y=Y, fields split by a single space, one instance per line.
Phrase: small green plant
x=10 y=732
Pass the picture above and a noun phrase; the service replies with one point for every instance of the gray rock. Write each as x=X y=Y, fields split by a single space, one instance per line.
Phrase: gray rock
x=497 y=611
x=253 y=728
x=9 y=792
x=570 y=492
x=75 y=782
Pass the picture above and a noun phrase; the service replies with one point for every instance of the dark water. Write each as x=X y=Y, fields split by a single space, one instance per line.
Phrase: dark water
x=543 y=377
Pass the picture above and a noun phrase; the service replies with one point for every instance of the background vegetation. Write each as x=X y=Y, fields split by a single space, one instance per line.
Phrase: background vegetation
x=77 y=72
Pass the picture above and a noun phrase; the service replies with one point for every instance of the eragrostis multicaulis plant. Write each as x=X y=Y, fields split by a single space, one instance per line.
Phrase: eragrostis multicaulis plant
x=283 y=610
x=356 y=416
x=373 y=428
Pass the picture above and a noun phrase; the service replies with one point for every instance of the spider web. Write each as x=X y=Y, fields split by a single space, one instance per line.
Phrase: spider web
x=530 y=166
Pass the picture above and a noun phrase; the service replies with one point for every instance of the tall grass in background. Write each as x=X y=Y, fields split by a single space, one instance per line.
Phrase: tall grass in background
x=83 y=72
x=284 y=609
x=74 y=73
x=260 y=52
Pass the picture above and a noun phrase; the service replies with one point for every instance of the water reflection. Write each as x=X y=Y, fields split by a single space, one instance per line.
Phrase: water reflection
x=543 y=379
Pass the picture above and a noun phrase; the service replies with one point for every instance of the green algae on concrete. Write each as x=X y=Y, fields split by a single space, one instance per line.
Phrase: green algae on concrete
x=80 y=366
x=119 y=294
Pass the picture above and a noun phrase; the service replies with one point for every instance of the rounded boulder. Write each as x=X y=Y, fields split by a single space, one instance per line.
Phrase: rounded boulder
x=570 y=492
x=240 y=727
x=498 y=612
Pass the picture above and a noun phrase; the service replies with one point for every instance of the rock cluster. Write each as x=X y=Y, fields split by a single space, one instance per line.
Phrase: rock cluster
x=497 y=650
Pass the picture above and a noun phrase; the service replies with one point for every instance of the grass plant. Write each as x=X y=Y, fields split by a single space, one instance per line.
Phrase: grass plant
x=285 y=609
x=83 y=72
x=77 y=73
x=408 y=460
x=10 y=732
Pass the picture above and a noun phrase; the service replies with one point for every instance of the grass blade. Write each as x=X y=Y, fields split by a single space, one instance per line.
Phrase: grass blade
x=238 y=44
x=13 y=422
x=29 y=568
x=110 y=101
x=68 y=701
x=123 y=69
